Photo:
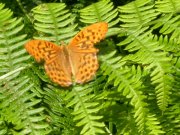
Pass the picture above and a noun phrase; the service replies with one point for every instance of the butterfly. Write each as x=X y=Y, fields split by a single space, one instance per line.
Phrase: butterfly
x=76 y=62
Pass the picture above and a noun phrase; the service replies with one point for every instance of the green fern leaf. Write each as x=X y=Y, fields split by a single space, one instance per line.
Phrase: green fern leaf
x=168 y=6
x=17 y=107
x=85 y=109
x=60 y=116
x=101 y=11
x=18 y=101
x=150 y=53
x=168 y=23
x=11 y=52
x=54 y=22
x=128 y=82
x=172 y=115
x=137 y=14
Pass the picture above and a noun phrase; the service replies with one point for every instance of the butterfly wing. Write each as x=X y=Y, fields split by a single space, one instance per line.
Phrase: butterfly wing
x=56 y=61
x=82 y=53
x=85 y=66
x=59 y=72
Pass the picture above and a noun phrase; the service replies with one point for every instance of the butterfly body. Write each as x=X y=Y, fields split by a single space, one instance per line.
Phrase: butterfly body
x=75 y=62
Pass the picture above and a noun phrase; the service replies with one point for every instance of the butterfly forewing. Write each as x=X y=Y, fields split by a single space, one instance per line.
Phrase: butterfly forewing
x=89 y=36
x=42 y=50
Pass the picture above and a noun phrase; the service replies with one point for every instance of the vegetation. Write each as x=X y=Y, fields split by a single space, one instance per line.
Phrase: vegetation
x=136 y=90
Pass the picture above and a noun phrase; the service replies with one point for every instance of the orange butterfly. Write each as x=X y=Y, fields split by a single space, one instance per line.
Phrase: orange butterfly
x=74 y=62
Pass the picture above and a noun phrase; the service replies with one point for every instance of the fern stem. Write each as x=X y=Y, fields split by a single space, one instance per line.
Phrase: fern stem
x=24 y=11
x=11 y=73
x=109 y=131
x=110 y=127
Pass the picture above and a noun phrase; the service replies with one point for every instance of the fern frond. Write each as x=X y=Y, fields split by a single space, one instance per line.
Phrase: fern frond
x=150 y=53
x=19 y=97
x=169 y=20
x=18 y=106
x=170 y=45
x=171 y=26
x=101 y=11
x=128 y=82
x=137 y=14
x=60 y=116
x=54 y=22
x=86 y=109
x=11 y=51
x=168 y=6
x=172 y=115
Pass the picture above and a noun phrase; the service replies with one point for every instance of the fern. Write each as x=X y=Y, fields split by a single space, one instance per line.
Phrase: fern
x=138 y=14
x=128 y=82
x=150 y=53
x=169 y=22
x=60 y=116
x=85 y=108
x=101 y=11
x=173 y=115
x=19 y=96
x=11 y=45
x=19 y=103
x=53 y=22
x=168 y=6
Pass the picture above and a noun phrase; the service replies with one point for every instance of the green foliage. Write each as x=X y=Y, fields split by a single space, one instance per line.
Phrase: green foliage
x=20 y=98
x=86 y=108
x=54 y=22
x=59 y=115
x=136 y=89
x=147 y=50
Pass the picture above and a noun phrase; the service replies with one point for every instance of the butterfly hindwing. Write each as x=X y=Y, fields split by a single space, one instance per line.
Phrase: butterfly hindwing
x=59 y=71
x=87 y=67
